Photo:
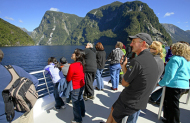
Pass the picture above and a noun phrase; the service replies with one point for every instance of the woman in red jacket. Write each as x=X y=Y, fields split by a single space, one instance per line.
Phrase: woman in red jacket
x=76 y=75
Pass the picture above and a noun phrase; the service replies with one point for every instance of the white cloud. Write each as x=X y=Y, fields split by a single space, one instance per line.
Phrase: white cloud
x=9 y=18
x=178 y=22
x=168 y=14
x=54 y=9
x=20 y=21
x=158 y=13
x=187 y=26
x=186 y=22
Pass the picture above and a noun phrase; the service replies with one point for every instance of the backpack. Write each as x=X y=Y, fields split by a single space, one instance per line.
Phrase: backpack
x=20 y=94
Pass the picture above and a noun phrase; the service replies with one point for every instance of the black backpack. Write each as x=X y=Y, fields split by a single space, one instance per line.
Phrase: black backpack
x=20 y=94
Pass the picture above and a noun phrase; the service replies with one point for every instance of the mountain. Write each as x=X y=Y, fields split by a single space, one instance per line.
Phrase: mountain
x=176 y=33
x=11 y=35
x=25 y=30
x=188 y=31
x=115 y=22
x=54 y=28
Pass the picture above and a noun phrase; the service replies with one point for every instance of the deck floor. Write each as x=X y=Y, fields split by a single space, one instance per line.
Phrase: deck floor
x=98 y=110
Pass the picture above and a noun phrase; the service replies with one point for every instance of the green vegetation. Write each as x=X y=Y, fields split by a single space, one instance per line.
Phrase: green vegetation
x=11 y=35
x=55 y=26
x=117 y=21
x=107 y=24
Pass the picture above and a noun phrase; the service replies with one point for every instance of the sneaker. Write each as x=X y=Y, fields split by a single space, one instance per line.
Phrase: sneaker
x=97 y=88
x=75 y=121
x=57 y=109
x=85 y=98
x=91 y=97
x=63 y=107
x=70 y=102
x=164 y=120
x=151 y=102
x=158 y=103
x=113 y=88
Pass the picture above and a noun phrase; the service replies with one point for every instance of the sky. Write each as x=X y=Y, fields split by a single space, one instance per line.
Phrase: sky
x=28 y=13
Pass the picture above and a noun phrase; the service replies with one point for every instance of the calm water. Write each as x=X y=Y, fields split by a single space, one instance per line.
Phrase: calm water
x=34 y=58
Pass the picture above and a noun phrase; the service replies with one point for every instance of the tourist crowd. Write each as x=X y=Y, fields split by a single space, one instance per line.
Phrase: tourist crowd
x=140 y=73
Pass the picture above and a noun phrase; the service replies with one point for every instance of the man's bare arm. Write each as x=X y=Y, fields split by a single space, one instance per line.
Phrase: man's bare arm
x=124 y=83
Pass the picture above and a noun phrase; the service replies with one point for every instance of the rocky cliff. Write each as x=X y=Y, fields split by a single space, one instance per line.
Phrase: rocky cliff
x=54 y=28
x=176 y=33
x=115 y=22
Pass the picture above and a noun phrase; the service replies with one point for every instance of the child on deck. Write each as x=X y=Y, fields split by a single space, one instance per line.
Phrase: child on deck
x=56 y=76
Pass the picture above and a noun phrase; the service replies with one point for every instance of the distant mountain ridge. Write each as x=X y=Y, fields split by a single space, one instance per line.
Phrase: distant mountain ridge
x=107 y=24
x=25 y=30
x=11 y=35
x=115 y=22
x=54 y=28
x=176 y=33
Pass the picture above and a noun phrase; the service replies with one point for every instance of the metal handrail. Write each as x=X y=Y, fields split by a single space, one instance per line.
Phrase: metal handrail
x=105 y=73
x=46 y=83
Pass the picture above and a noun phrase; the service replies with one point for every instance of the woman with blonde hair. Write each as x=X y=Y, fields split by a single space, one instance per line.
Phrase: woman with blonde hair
x=176 y=79
x=156 y=50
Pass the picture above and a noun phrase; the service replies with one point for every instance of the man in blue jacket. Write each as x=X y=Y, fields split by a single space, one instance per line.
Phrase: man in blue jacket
x=5 y=78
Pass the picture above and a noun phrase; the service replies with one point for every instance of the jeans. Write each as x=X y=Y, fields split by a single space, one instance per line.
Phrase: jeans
x=115 y=71
x=78 y=104
x=133 y=118
x=99 y=80
x=58 y=100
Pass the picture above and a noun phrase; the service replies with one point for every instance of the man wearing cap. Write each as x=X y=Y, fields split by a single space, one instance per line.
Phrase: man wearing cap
x=64 y=66
x=140 y=77
x=5 y=78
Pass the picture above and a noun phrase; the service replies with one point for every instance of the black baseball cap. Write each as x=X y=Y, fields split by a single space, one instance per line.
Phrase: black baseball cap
x=144 y=36
x=63 y=60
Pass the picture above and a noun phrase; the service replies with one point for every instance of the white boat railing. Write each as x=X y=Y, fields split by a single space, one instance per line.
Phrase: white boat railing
x=47 y=87
x=42 y=84
x=162 y=101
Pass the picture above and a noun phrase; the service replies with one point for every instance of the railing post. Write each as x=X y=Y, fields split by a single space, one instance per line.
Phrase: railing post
x=46 y=83
x=124 y=120
x=188 y=95
x=161 y=102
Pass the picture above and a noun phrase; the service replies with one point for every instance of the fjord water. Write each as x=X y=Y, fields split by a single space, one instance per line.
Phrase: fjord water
x=34 y=58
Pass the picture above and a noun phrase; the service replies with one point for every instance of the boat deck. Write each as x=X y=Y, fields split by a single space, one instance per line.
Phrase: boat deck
x=98 y=109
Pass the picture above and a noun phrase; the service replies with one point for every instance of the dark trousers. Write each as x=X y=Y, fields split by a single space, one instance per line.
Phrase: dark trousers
x=156 y=95
x=89 y=79
x=120 y=78
x=171 y=105
x=78 y=104
x=58 y=101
